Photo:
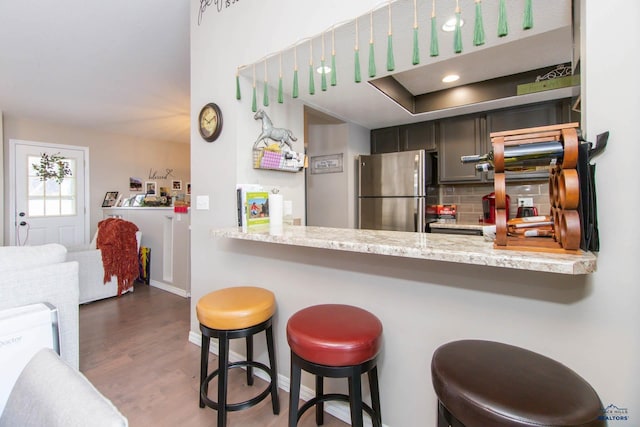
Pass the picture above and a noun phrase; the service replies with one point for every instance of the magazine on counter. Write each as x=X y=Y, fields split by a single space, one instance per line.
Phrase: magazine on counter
x=241 y=195
x=257 y=209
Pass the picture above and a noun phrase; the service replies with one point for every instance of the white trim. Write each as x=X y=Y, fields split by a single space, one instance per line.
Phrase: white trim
x=169 y=288
x=12 y=183
x=339 y=410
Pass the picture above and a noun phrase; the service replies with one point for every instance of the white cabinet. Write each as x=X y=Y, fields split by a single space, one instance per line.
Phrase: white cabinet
x=167 y=234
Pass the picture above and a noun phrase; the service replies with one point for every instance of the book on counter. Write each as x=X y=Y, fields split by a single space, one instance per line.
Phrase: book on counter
x=242 y=191
x=257 y=209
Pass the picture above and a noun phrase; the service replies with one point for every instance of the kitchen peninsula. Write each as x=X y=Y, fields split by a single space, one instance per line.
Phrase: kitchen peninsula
x=474 y=250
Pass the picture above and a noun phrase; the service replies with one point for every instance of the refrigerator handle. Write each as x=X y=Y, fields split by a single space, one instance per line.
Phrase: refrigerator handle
x=419 y=174
x=420 y=214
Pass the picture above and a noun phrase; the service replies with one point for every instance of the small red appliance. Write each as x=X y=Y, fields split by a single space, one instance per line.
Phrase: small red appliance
x=489 y=208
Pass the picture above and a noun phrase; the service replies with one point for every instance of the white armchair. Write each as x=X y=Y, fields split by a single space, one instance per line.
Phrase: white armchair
x=91 y=272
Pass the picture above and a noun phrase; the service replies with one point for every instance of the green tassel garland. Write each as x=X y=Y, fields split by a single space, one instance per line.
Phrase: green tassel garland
x=265 y=98
x=434 y=51
x=295 y=92
x=457 y=35
x=238 y=95
x=503 y=27
x=478 y=29
x=323 y=78
x=254 y=101
x=391 y=65
x=356 y=62
x=416 y=50
x=280 y=91
x=527 y=21
x=334 y=74
x=372 y=61
x=415 y=58
x=312 y=83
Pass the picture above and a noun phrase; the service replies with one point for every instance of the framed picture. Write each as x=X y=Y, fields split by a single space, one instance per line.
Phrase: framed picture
x=138 y=200
x=135 y=184
x=110 y=199
x=150 y=188
x=176 y=185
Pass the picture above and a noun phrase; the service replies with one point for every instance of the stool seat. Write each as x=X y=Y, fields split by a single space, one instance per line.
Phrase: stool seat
x=484 y=383
x=235 y=308
x=334 y=335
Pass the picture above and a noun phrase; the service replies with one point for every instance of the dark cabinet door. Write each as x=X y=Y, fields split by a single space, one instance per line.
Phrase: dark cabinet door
x=460 y=136
x=418 y=136
x=528 y=116
x=385 y=140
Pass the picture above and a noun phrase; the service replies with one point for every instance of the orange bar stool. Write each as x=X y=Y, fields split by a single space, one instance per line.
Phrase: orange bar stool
x=335 y=341
x=239 y=312
x=485 y=383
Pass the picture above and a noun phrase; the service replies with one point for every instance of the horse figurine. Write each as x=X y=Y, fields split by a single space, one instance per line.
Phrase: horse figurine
x=283 y=136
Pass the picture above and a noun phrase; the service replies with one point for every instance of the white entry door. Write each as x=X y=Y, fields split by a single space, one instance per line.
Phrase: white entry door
x=45 y=210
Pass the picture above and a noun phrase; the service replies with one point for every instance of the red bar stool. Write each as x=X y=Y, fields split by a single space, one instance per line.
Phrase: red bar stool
x=485 y=383
x=335 y=341
x=239 y=312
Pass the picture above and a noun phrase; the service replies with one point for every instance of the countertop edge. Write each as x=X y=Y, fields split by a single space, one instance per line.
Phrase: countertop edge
x=434 y=247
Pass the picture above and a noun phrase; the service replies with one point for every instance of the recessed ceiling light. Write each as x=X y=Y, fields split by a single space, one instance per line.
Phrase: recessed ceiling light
x=327 y=69
x=450 y=25
x=450 y=78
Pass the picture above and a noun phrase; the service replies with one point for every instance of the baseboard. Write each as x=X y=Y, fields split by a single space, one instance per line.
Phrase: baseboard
x=170 y=288
x=339 y=410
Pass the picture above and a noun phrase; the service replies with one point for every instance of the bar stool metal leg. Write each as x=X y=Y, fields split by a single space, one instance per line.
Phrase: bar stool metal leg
x=275 y=402
x=375 y=396
x=294 y=393
x=223 y=362
x=204 y=365
x=249 y=341
x=320 y=404
x=355 y=397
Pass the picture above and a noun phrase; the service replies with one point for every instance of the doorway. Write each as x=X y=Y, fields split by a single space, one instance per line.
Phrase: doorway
x=46 y=209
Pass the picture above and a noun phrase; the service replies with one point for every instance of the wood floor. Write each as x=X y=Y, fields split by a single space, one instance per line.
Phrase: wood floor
x=135 y=350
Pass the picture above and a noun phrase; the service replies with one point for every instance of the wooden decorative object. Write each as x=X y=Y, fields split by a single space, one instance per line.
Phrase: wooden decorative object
x=564 y=190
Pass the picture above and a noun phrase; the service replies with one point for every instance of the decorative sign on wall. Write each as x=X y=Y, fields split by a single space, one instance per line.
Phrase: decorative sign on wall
x=331 y=163
x=220 y=5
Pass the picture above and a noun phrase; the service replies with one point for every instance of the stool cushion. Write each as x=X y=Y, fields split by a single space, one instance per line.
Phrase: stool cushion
x=235 y=308
x=334 y=335
x=484 y=383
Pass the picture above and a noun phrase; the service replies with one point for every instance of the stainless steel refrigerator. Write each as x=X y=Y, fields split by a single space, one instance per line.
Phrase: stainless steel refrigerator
x=393 y=190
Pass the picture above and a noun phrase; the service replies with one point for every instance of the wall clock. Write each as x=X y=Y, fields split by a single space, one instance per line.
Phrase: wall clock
x=210 y=122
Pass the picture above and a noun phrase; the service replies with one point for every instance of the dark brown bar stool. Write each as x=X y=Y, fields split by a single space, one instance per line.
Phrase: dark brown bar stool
x=485 y=383
x=239 y=312
x=335 y=341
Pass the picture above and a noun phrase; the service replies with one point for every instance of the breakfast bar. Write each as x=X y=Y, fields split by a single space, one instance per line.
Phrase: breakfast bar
x=474 y=250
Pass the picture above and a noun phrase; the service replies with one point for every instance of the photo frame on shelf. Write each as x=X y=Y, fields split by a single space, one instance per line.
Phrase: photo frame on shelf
x=110 y=199
x=176 y=185
x=151 y=188
x=138 y=200
x=135 y=184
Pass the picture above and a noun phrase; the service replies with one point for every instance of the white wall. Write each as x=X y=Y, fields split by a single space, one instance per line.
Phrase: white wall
x=113 y=158
x=590 y=323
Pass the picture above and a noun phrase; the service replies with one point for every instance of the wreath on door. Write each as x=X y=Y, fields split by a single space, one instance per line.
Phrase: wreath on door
x=52 y=166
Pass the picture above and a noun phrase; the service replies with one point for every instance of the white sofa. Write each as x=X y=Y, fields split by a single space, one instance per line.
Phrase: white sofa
x=34 y=274
x=91 y=273
x=50 y=391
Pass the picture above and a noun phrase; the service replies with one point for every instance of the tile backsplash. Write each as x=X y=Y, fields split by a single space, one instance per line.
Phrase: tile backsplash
x=468 y=198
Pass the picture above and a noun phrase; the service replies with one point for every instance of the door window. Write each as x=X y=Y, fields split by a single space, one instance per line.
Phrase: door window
x=47 y=197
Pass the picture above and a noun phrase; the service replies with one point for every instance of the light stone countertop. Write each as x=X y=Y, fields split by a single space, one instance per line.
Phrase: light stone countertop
x=457 y=225
x=435 y=247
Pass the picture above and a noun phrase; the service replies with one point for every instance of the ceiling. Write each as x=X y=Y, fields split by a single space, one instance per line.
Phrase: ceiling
x=122 y=66
x=116 y=66
x=547 y=44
